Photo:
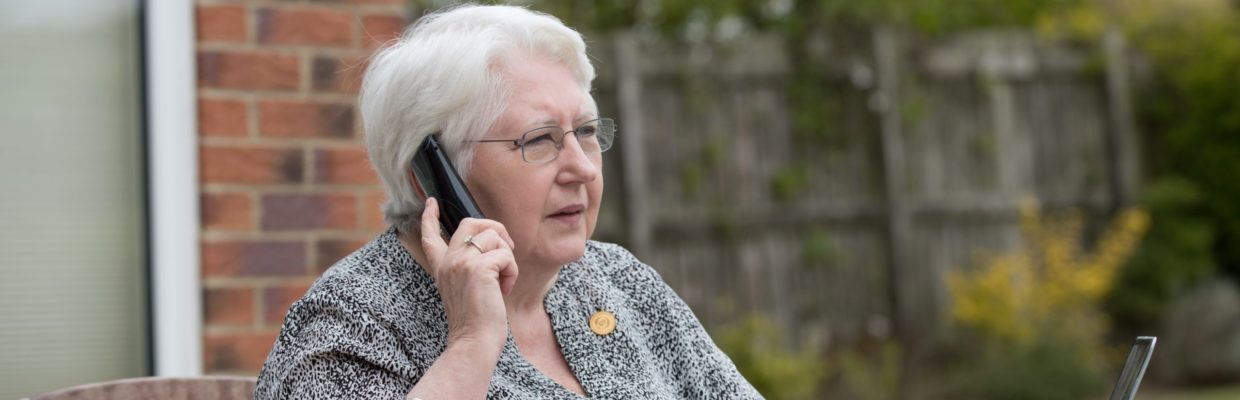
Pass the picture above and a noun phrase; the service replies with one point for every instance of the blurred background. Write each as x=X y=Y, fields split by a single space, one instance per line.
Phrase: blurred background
x=881 y=199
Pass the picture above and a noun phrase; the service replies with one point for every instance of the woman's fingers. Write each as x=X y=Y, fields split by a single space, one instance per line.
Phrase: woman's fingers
x=496 y=253
x=486 y=240
x=475 y=227
x=490 y=237
x=508 y=274
x=502 y=261
x=432 y=240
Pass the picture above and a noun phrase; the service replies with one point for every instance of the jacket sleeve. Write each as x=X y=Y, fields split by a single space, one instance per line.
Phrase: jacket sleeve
x=330 y=348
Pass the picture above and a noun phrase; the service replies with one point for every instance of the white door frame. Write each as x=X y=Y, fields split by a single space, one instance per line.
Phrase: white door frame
x=172 y=179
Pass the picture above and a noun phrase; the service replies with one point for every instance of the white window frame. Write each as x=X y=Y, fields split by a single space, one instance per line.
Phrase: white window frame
x=172 y=176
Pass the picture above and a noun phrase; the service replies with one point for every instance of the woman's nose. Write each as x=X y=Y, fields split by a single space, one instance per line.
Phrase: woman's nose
x=578 y=166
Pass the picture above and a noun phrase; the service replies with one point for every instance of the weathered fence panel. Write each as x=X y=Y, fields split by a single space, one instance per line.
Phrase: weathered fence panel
x=933 y=146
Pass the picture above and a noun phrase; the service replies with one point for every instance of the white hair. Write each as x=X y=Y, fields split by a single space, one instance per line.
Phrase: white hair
x=444 y=75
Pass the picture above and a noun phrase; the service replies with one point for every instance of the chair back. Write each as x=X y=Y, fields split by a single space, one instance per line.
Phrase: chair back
x=153 y=388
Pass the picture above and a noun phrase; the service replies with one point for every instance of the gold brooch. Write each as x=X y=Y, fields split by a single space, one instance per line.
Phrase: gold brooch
x=603 y=323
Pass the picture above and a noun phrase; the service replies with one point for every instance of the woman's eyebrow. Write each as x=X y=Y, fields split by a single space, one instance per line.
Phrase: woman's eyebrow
x=552 y=121
x=543 y=122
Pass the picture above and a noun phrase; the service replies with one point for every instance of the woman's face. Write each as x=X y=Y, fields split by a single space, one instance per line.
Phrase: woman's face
x=549 y=209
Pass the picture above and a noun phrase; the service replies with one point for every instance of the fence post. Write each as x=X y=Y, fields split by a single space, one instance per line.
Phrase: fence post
x=1122 y=141
x=632 y=143
x=998 y=68
x=899 y=218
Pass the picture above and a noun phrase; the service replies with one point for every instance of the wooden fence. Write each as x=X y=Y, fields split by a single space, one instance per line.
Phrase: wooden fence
x=932 y=145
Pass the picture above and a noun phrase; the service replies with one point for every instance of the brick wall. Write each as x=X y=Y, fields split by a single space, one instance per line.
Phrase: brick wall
x=286 y=189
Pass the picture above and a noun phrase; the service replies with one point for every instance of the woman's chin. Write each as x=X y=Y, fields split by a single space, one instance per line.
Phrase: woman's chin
x=564 y=250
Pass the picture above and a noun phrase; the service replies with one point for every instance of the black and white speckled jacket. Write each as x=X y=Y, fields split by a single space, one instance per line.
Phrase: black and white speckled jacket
x=371 y=326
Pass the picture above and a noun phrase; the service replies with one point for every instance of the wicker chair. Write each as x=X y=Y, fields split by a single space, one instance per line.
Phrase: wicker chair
x=156 y=388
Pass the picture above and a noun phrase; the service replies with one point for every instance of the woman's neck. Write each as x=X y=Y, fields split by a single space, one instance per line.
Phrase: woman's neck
x=533 y=280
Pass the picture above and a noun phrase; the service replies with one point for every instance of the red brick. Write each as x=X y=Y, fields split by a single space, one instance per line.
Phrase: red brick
x=221 y=23
x=277 y=299
x=237 y=352
x=303 y=26
x=338 y=75
x=221 y=117
x=348 y=165
x=328 y=252
x=227 y=211
x=302 y=119
x=248 y=70
x=373 y=211
x=246 y=164
x=253 y=258
x=309 y=211
x=228 y=306
x=378 y=30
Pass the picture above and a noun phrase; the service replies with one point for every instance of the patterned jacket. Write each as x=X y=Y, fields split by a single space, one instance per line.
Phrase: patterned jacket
x=371 y=326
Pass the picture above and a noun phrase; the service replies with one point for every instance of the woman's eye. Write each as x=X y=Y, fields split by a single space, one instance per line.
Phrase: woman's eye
x=540 y=139
x=587 y=130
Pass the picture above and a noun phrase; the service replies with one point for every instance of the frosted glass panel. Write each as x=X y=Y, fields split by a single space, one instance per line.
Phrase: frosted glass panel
x=72 y=250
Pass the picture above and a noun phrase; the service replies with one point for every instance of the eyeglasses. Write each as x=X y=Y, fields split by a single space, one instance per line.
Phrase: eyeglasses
x=541 y=145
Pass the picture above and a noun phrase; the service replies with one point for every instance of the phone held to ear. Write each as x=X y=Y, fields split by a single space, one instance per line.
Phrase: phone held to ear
x=434 y=176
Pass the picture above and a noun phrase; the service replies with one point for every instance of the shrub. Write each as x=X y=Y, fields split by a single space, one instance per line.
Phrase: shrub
x=1035 y=311
x=759 y=350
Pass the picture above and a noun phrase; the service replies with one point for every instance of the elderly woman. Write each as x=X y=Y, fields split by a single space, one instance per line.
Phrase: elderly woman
x=520 y=305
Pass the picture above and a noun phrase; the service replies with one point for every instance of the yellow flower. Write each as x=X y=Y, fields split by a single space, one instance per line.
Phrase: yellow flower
x=1052 y=283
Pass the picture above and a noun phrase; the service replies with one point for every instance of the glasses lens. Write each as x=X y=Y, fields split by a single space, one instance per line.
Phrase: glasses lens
x=587 y=137
x=605 y=132
x=539 y=145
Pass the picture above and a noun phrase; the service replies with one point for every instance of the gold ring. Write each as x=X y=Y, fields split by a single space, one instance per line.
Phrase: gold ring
x=469 y=240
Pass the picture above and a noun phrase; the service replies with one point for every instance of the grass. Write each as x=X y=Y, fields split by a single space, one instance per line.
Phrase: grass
x=1216 y=393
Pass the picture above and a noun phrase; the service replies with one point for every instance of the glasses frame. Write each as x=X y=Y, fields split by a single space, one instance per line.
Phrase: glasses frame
x=559 y=144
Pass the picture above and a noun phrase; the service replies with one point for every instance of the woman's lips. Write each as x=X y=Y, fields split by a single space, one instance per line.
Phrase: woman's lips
x=572 y=209
x=568 y=214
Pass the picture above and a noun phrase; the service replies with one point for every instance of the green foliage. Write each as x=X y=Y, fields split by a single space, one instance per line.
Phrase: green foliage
x=693 y=169
x=944 y=16
x=760 y=352
x=815 y=107
x=1176 y=254
x=1190 y=119
x=819 y=248
x=789 y=181
x=1049 y=369
x=702 y=20
x=1196 y=114
x=913 y=109
x=871 y=377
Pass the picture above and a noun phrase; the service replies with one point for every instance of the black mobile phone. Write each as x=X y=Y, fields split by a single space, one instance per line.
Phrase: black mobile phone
x=434 y=176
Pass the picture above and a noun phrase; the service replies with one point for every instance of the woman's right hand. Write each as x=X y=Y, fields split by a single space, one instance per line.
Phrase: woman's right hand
x=472 y=280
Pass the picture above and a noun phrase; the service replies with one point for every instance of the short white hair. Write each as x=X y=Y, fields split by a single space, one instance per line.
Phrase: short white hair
x=444 y=75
